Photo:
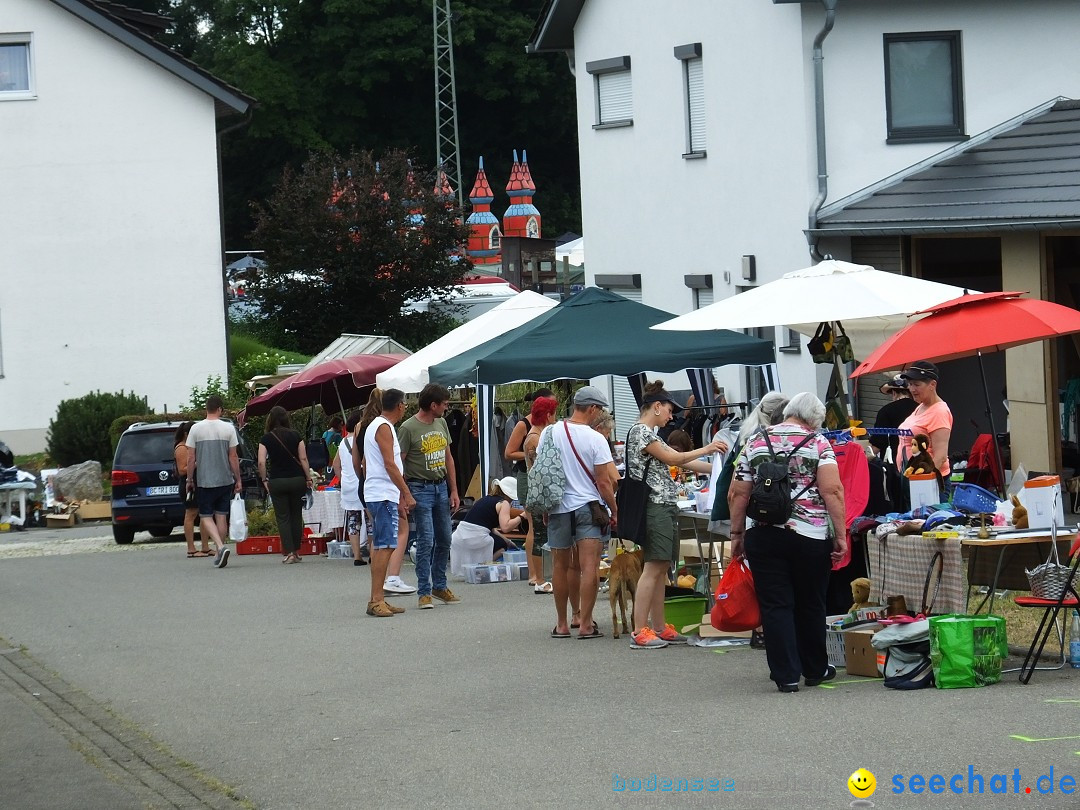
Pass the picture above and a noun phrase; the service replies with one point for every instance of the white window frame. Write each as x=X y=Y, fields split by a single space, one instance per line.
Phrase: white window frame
x=693 y=82
x=26 y=39
x=613 y=92
x=494 y=238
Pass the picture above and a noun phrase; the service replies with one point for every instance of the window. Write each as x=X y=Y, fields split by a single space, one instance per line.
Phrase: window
x=791 y=343
x=694 y=98
x=494 y=238
x=923 y=87
x=16 y=72
x=614 y=92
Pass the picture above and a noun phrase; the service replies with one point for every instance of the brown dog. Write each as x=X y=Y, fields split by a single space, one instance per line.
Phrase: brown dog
x=623 y=577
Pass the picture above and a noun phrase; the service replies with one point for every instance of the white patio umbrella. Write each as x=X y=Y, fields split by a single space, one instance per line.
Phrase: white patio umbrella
x=411 y=374
x=871 y=304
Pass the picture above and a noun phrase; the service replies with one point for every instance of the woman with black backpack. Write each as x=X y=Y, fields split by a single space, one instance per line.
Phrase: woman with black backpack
x=788 y=477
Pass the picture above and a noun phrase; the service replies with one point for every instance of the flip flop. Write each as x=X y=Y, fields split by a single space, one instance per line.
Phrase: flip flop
x=543 y=588
x=594 y=634
x=193 y=554
x=556 y=634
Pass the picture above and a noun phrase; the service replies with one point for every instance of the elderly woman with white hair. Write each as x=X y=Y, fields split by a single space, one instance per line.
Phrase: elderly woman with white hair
x=791 y=561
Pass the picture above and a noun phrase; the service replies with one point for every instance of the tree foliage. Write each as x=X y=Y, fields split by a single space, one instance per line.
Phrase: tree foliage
x=80 y=431
x=344 y=74
x=348 y=240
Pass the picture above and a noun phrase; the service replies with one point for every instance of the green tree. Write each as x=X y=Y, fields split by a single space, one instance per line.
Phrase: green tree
x=339 y=74
x=348 y=240
x=80 y=431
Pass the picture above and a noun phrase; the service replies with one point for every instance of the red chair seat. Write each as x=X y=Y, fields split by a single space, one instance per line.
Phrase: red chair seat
x=1034 y=601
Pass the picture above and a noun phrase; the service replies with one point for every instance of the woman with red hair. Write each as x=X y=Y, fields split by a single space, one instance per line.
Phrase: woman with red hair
x=541 y=415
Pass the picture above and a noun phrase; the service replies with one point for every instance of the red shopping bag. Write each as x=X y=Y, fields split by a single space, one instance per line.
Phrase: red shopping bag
x=736 y=606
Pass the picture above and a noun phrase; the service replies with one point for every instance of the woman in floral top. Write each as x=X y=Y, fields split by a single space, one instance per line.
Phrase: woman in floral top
x=661 y=545
x=791 y=561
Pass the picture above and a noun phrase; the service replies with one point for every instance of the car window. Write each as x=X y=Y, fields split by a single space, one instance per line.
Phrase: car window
x=145 y=448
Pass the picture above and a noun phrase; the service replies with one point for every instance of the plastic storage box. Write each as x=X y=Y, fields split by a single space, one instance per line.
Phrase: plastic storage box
x=339 y=550
x=515 y=556
x=680 y=611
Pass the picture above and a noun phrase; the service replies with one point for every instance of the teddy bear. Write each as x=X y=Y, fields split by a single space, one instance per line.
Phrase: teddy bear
x=1019 y=515
x=860 y=592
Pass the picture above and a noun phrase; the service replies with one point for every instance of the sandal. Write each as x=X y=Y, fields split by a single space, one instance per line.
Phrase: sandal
x=545 y=587
x=194 y=554
x=556 y=634
x=594 y=633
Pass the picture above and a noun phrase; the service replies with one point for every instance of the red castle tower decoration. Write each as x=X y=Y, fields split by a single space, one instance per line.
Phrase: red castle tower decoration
x=484 y=235
x=521 y=218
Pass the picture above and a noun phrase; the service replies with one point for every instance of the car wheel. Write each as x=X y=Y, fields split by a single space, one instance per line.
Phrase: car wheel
x=161 y=531
x=122 y=534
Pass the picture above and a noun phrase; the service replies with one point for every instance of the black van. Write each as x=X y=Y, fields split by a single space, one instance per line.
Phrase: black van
x=146 y=492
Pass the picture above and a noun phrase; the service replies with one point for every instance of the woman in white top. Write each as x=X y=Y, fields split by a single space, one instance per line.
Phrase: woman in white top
x=355 y=529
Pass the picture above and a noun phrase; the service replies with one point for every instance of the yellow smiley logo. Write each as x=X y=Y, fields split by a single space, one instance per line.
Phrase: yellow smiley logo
x=862 y=784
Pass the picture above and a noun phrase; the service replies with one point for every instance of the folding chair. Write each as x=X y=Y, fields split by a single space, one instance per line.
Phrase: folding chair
x=1052 y=608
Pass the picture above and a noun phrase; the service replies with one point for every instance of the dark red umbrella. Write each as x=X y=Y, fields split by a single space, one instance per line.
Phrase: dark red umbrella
x=336 y=385
x=973 y=325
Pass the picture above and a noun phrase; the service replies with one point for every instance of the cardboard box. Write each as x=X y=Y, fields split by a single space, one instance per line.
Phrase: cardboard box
x=859 y=653
x=63 y=521
x=1042 y=497
x=708 y=631
x=95 y=510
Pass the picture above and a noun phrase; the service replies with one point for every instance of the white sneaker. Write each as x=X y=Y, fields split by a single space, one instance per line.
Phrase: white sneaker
x=397 y=585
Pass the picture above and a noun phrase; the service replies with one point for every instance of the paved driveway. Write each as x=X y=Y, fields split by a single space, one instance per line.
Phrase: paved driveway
x=271 y=679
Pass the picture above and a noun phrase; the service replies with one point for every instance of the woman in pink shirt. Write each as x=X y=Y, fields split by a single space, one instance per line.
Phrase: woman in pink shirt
x=931 y=415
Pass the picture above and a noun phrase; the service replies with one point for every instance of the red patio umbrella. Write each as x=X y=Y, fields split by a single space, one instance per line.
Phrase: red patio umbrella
x=972 y=325
x=336 y=385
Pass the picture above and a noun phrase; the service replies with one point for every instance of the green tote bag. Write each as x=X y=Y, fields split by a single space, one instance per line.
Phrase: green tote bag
x=967 y=650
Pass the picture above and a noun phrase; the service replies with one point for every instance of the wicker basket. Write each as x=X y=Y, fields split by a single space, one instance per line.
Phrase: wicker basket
x=1049 y=580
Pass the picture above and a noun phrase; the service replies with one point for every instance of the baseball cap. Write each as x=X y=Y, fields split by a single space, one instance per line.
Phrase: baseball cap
x=590 y=395
x=919 y=371
x=661 y=396
x=893 y=384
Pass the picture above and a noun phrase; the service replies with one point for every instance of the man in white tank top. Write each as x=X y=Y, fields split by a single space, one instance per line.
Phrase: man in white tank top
x=385 y=491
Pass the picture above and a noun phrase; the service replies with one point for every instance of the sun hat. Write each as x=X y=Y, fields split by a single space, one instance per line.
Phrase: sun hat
x=590 y=395
x=508 y=487
x=893 y=384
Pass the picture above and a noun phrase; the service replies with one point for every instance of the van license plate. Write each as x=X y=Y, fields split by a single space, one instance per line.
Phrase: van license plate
x=173 y=490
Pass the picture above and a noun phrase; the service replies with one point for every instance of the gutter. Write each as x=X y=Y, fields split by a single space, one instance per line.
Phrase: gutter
x=819 y=127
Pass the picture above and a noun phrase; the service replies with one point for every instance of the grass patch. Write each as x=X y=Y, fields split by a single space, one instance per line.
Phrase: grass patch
x=241 y=346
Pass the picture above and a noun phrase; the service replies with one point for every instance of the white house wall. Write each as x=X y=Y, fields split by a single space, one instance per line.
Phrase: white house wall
x=646 y=209
x=1015 y=57
x=111 y=268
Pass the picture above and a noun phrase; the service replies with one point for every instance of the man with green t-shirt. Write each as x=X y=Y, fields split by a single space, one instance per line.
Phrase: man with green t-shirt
x=429 y=472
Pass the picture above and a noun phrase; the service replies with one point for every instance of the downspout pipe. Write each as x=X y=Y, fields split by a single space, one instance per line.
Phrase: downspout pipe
x=819 y=126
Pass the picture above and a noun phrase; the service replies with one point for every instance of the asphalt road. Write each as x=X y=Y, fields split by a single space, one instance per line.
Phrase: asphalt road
x=271 y=679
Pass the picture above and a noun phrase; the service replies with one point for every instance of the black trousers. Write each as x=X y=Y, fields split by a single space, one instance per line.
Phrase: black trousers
x=791 y=576
x=287 y=495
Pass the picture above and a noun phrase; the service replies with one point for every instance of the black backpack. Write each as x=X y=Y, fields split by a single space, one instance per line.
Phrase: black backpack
x=771 y=498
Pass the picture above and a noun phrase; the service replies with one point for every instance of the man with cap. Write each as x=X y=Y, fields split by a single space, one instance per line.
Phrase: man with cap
x=892 y=414
x=931 y=416
x=574 y=533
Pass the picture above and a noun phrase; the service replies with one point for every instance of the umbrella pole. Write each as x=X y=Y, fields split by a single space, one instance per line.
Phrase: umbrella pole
x=339 y=402
x=993 y=429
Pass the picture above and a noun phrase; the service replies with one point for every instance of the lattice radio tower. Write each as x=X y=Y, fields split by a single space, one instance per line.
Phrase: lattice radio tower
x=447 y=150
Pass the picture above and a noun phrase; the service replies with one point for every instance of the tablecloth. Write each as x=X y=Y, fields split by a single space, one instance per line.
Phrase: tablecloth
x=325 y=513
x=898 y=566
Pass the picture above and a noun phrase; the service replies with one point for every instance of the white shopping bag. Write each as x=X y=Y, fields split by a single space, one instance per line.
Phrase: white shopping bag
x=237 y=520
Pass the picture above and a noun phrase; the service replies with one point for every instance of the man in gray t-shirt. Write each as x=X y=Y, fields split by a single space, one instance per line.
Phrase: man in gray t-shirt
x=214 y=474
